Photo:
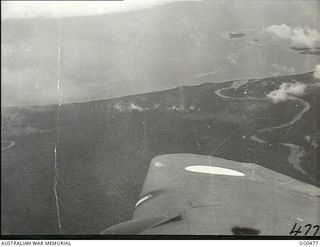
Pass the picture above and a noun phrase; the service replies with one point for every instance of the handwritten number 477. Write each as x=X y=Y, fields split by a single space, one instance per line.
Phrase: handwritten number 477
x=296 y=230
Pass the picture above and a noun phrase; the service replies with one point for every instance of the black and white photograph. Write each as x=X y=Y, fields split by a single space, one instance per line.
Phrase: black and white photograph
x=164 y=119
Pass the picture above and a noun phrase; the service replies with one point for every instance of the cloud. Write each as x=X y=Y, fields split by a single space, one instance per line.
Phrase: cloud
x=133 y=106
x=287 y=91
x=282 y=70
x=298 y=36
x=282 y=31
x=176 y=108
x=119 y=107
x=125 y=107
x=55 y=9
x=316 y=73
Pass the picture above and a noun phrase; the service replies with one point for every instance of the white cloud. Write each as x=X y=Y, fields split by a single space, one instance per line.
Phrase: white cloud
x=316 y=73
x=282 y=31
x=124 y=107
x=287 y=91
x=298 y=36
x=54 y=9
x=176 y=108
x=119 y=107
x=133 y=106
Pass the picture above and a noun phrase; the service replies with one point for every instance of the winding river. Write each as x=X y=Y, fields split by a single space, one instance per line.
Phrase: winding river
x=296 y=152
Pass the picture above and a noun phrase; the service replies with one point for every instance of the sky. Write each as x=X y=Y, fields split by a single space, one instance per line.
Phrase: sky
x=55 y=9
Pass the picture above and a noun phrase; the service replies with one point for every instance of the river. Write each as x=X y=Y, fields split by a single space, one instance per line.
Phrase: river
x=296 y=152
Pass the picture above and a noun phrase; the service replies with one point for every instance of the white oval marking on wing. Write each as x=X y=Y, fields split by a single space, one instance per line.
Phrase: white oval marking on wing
x=214 y=170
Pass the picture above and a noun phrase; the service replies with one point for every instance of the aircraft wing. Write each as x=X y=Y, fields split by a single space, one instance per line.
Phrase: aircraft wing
x=203 y=195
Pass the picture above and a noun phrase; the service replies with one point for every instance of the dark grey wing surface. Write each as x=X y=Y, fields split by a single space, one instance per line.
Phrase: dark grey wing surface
x=202 y=195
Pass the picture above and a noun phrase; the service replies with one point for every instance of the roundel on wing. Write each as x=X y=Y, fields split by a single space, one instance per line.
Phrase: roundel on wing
x=214 y=170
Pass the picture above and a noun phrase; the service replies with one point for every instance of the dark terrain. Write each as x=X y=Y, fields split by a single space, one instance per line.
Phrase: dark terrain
x=105 y=147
